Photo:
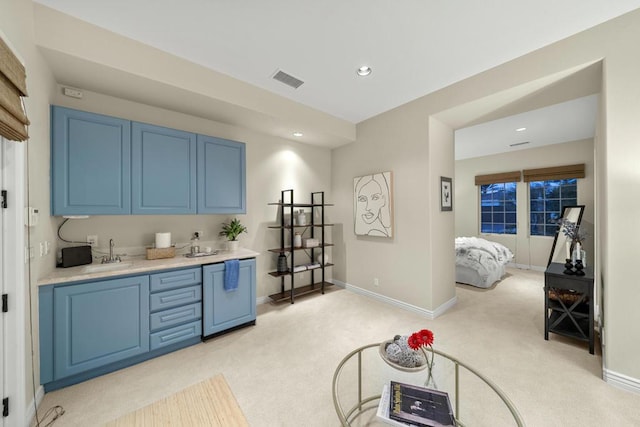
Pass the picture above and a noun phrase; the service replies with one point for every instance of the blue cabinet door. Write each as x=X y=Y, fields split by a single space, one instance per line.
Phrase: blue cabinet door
x=99 y=323
x=163 y=176
x=225 y=309
x=221 y=176
x=90 y=163
x=45 y=313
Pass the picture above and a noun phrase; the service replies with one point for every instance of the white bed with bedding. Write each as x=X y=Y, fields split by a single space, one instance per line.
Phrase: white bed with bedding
x=480 y=262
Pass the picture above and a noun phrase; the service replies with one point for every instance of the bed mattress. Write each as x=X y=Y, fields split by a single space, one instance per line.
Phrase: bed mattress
x=480 y=262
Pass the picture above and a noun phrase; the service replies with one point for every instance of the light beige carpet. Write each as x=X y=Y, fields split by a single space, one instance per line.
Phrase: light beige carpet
x=209 y=403
x=280 y=370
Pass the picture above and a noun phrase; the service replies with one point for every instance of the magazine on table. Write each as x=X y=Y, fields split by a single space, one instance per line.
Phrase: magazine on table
x=418 y=406
x=383 y=409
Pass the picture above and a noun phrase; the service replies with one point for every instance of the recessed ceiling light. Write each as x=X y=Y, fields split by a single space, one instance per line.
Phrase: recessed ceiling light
x=298 y=134
x=521 y=129
x=364 y=71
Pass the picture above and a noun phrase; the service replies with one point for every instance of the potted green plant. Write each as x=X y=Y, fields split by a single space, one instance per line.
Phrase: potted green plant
x=231 y=230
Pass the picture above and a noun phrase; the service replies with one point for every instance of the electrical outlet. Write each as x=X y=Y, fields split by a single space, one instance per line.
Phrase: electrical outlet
x=92 y=240
x=376 y=282
x=47 y=247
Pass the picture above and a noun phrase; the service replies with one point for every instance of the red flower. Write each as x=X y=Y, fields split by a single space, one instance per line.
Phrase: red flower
x=420 y=338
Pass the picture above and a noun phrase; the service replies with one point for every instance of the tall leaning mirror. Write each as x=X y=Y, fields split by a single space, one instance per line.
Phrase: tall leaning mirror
x=558 y=249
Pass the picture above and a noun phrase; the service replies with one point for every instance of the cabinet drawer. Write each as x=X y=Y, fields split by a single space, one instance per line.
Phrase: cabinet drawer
x=175 y=279
x=175 y=297
x=175 y=316
x=579 y=285
x=175 y=334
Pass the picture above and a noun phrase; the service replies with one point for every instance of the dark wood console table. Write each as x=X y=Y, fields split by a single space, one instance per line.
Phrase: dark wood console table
x=568 y=304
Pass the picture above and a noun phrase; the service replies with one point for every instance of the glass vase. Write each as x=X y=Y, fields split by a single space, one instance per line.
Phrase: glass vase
x=579 y=254
x=430 y=382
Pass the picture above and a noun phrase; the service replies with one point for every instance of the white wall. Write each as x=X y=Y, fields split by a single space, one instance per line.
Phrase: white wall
x=529 y=251
x=394 y=143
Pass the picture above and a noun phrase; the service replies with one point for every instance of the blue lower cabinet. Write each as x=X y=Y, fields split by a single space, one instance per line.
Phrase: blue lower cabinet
x=99 y=323
x=92 y=328
x=224 y=309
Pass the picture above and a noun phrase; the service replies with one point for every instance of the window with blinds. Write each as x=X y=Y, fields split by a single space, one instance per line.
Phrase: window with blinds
x=550 y=190
x=498 y=202
x=13 y=86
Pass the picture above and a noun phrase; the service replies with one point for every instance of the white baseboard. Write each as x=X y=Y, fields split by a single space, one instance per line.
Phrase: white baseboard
x=526 y=267
x=31 y=408
x=262 y=300
x=621 y=381
x=429 y=314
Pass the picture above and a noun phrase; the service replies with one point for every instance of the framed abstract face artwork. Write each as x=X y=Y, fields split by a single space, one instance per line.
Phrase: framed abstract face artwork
x=373 y=205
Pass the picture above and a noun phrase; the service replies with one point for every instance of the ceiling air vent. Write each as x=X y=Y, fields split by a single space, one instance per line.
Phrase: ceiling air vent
x=287 y=79
x=518 y=143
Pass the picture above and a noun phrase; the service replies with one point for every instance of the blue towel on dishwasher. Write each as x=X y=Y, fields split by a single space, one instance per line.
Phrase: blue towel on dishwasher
x=231 y=273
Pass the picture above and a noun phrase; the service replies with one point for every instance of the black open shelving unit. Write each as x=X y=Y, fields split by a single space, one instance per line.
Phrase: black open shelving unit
x=287 y=230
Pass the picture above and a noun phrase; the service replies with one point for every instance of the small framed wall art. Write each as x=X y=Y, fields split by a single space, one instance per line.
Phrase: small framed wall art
x=446 y=194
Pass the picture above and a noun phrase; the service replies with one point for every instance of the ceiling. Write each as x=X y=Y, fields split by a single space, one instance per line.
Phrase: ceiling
x=563 y=122
x=414 y=47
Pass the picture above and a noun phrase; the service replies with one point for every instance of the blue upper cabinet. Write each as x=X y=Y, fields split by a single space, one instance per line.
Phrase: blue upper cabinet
x=102 y=165
x=221 y=176
x=163 y=170
x=91 y=163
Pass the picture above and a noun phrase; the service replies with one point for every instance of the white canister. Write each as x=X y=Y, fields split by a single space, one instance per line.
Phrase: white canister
x=297 y=240
x=323 y=260
x=302 y=218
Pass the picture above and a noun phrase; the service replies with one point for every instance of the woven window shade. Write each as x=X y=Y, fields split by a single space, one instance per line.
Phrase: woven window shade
x=496 y=178
x=13 y=85
x=557 y=172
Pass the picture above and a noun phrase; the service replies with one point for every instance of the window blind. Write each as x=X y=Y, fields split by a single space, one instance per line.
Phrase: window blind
x=13 y=86
x=556 y=172
x=496 y=178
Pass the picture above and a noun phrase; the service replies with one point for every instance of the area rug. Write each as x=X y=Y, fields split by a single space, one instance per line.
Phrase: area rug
x=209 y=403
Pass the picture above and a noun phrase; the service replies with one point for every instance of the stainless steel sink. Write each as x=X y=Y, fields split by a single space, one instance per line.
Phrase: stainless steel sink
x=96 y=268
x=201 y=254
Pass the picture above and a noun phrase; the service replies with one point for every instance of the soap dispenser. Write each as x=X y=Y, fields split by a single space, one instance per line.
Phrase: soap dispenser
x=195 y=243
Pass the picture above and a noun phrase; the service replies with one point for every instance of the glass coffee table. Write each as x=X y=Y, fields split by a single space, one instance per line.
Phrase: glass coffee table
x=359 y=379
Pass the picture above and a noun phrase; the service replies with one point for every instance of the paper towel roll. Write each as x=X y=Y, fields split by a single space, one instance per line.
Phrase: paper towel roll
x=163 y=240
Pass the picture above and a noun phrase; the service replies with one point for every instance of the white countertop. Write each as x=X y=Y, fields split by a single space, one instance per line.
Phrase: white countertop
x=134 y=265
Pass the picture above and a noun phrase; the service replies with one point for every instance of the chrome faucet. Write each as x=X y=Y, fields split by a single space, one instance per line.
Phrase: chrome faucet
x=111 y=257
